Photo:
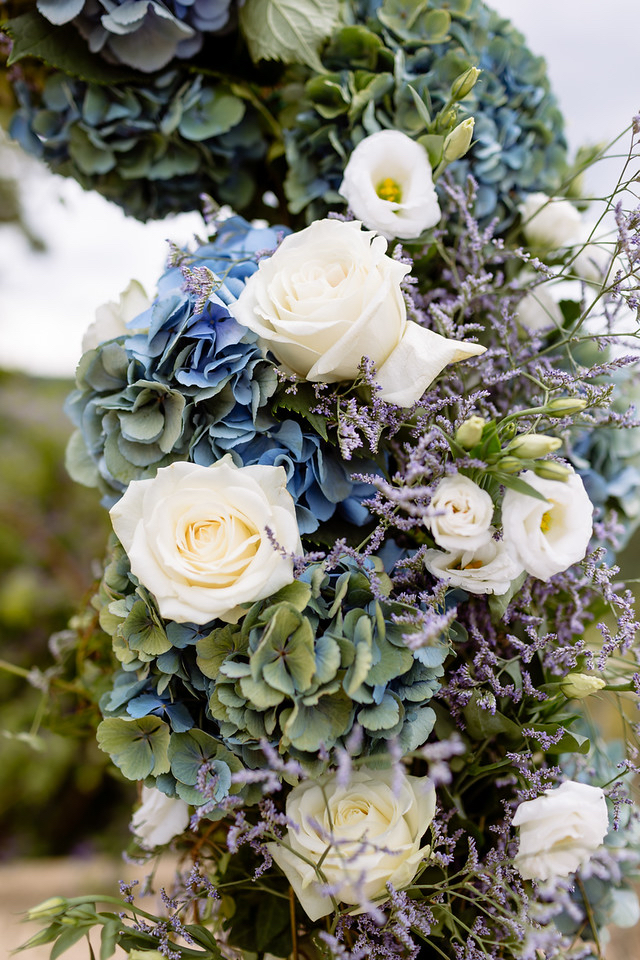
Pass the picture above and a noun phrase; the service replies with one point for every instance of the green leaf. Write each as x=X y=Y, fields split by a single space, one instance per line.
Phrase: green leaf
x=482 y=723
x=61 y=47
x=109 y=939
x=137 y=747
x=67 y=939
x=520 y=486
x=288 y=30
x=498 y=604
x=300 y=403
x=421 y=106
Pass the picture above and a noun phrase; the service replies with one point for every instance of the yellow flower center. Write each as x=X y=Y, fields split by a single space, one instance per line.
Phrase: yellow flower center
x=545 y=523
x=390 y=190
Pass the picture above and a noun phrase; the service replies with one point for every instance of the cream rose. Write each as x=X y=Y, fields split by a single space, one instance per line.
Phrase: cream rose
x=487 y=569
x=560 y=830
x=197 y=537
x=112 y=318
x=546 y=538
x=388 y=185
x=366 y=835
x=328 y=296
x=159 y=818
x=465 y=520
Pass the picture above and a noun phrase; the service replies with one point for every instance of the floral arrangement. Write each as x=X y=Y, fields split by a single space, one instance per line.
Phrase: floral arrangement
x=367 y=479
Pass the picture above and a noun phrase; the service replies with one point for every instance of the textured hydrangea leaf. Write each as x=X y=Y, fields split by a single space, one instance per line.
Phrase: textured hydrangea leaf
x=61 y=47
x=137 y=747
x=288 y=30
x=257 y=693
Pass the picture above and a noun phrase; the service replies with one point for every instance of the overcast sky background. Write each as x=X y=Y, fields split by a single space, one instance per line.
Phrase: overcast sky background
x=93 y=250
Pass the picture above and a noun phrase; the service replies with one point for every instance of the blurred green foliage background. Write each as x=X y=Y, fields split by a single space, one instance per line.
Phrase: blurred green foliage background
x=57 y=794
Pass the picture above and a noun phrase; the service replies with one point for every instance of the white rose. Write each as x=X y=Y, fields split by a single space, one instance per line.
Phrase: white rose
x=328 y=296
x=112 y=318
x=560 y=830
x=546 y=538
x=196 y=537
x=549 y=223
x=465 y=523
x=488 y=569
x=366 y=835
x=159 y=818
x=388 y=185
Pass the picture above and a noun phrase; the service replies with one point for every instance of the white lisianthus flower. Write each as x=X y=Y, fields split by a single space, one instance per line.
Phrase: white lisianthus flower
x=329 y=296
x=465 y=523
x=488 y=569
x=546 y=538
x=197 y=537
x=548 y=223
x=159 y=818
x=361 y=837
x=560 y=830
x=388 y=185
x=112 y=318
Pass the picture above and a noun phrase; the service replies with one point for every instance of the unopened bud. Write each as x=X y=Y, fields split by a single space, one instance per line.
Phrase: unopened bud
x=48 y=908
x=551 y=470
x=577 y=686
x=532 y=445
x=464 y=84
x=458 y=141
x=469 y=433
x=510 y=465
x=564 y=406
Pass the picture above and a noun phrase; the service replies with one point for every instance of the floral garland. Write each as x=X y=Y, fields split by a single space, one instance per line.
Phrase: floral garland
x=367 y=479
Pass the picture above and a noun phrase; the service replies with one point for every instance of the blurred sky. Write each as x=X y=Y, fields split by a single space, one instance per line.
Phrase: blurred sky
x=93 y=250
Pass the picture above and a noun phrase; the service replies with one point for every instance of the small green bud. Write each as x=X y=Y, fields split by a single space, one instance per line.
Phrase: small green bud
x=458 y=141
x=510 y=465
x=564 y=406
x=469 y=433
x=48 y=908
x=577 y=686
x=465 y=83
x=551 y=470
x=532 y=445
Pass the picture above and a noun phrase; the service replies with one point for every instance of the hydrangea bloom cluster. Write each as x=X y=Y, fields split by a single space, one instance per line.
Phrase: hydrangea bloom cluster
x=302 y=671
x=375 y=67
x=145 y=36
x=195 y=385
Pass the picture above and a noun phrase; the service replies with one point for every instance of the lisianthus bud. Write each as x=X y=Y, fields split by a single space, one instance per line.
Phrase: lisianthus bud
x=464 y=84
x=48 y=908
x=577 y=686
x=564 y=406
x=510 y=465
x=551 y=470
x=458 y=141
x=533 y=445
x=469 y=433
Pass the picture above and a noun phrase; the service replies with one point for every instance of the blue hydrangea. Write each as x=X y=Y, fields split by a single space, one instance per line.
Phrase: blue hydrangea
x=519 y=145
x=194 y=384
x=144 y=35
x=152 y=146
